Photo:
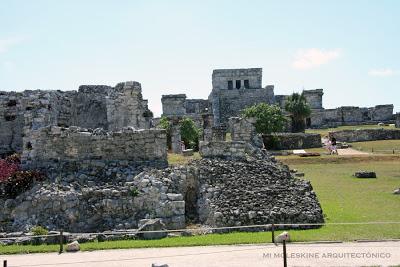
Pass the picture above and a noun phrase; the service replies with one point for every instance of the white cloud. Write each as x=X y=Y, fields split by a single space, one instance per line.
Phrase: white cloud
x=314 y=57
x=383 y=72
x=7 y=43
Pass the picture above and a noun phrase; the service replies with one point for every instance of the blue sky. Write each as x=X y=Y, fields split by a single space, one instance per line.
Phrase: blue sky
x=351 y=49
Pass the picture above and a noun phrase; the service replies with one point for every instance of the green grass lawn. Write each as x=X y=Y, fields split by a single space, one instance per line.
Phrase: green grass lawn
x=343 y=199
x=179 y=159
x=324 y=132
x=381 y=146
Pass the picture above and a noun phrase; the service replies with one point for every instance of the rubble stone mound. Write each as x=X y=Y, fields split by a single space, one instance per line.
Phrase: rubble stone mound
x=249 y=192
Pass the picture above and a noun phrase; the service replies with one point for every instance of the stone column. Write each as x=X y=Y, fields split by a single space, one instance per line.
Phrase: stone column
x=176 y=140
x=398 y=120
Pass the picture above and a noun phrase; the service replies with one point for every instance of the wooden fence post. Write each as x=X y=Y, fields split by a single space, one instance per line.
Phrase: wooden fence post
x=61 y=242
x=284 y=254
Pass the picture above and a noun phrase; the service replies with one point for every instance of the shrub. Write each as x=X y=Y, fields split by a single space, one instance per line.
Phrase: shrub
x=269 y=118
x=39 y=230
x=19 y=182
x=134 y=192
x=299 y=110
x=9 y=166
x=190 y=134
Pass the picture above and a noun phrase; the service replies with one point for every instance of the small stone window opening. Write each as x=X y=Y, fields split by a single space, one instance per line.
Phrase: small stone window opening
x=238 y=84
x=12 y=103
x=230 y=85
x=9 y=117
x=29 y=145
x=246 y=84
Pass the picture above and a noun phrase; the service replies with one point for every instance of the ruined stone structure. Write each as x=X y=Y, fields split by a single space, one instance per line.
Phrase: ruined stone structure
x=235 y=89
x=398 y=120
x=52 y=146
x=362 y=135
x=287 y=141
x=92 y=106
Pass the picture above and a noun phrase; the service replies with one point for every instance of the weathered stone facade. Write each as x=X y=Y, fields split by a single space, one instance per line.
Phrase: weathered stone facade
x=286 y=141
x=92 y=106
x=351 y=116
x=361 y=135
x=52 y=145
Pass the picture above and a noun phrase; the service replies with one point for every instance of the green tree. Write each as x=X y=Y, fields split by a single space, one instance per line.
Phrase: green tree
x=299 y=110
x=269 y=118
x=190 y=134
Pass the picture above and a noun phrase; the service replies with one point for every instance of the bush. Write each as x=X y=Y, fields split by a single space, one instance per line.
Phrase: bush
x=296 y=104
x=9 y=166
x=19 y=182
x=190 y=134
x=134 y=192
x=269 y=118
x=39 y=230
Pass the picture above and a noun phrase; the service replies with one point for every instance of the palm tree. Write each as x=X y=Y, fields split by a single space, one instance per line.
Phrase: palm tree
x=299 y=110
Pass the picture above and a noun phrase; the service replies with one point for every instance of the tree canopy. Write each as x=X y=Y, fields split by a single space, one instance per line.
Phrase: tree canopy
x=269 y=118
x=298 y=108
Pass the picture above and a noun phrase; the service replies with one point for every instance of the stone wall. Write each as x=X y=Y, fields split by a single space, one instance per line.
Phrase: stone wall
x=126 y=107
x=93 y=106
x=173 y=104
x=76 y=204
x=223 y=149
x=398 y=120
x=362 y=135
x=351 y=116
x=48 y=146
x=286 y=141
x=314 y=98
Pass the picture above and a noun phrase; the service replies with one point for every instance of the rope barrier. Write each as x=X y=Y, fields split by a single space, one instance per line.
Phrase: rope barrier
x=267 y=226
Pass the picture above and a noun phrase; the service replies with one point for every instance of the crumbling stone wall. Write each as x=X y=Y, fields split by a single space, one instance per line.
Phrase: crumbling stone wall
x=126 y=107
x=223 y=149
x=93 y=106
x=286 y=141
x=76 y=204
x=314 y=98
x=361 y=135
x=351 y=116
x=52 y=144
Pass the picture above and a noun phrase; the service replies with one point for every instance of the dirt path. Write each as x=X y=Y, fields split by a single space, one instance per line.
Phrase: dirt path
x=334 y=254
x=350 y=152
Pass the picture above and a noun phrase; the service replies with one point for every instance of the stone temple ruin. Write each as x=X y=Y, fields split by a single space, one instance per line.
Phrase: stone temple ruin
x=106 y=167
x=236 y=89
x=91 y=107
x=106 y=163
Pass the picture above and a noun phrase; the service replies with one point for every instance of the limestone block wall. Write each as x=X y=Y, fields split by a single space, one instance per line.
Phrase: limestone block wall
x=223 y=149
x=93 y=106
x=242 y=129
x=49 y=145
x=126 y=107
x=286 y=141
x=173 y=104
x=361 y=135
x=381 y=113
x=351 y=116
x=314 y=98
